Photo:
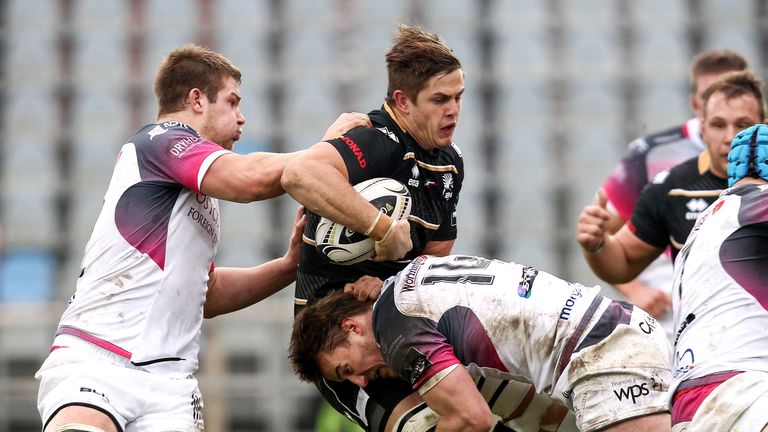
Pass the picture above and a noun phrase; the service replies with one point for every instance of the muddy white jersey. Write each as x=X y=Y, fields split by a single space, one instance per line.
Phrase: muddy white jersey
x=518 y=320
x=145 y=270
x=720 y=290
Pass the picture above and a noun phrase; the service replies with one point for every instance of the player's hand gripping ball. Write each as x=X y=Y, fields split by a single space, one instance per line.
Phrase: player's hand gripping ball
x=345 y=246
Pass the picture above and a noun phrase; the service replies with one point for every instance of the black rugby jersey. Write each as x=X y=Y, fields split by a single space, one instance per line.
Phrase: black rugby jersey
x=433 y=178
x=668 y=207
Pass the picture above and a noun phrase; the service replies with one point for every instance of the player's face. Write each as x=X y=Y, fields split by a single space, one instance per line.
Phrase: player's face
x=223 y=119
x=723 y=119
x=432 y=118
x=360 y=361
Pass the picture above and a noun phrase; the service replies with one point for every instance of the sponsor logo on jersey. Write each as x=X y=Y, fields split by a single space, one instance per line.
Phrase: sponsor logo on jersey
x=90 y=390
x=180 y=147
x=565 y=312
x=634 y=391
x=197 y=408
x=415 y=365
x=447 y=185
x=526 y=281
x=695 y=207
x=206 y=214
x=410 y=276
x=685 y=361
x=648 y=325
x=355 y=150
x=388 y=133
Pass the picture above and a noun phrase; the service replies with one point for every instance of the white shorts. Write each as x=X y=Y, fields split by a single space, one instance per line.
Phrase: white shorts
x=80 y=373
x=738 y=404
x=624 y=375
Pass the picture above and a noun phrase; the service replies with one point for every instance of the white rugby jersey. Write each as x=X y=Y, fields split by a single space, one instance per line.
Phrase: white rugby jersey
x=644 y=159
x=510 y=321
x=720 y=289
x=145 y=271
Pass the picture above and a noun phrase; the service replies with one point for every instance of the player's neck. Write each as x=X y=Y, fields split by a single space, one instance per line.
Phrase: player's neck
x=180 y=117
x=396 y=117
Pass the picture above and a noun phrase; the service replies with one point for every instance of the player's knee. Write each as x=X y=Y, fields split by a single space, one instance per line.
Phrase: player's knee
x=77 y=427
x=420 y=418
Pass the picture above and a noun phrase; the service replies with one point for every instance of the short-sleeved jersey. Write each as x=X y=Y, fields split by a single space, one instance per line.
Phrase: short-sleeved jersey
x=512 y=322
x=720 y=291
x=668 y=207
x=434 y=180
x=145 y=270
x=645 y=158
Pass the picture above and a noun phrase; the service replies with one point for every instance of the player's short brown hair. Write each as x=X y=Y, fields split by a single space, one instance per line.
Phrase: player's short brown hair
x=415 y=57
x=736 y=84
x=317 y=329
x=188 y=67
x=715 y=62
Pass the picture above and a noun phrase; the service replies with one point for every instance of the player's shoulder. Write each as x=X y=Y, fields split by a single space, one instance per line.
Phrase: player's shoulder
x=669 y=136
x=677 y=176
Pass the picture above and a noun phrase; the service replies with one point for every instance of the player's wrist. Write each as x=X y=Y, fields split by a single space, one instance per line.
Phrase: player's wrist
x=597 y=248
x=380 y=230
x=373 y=224
x=390 y=229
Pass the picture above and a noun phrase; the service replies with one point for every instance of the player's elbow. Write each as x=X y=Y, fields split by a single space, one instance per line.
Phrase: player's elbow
x=291 y=180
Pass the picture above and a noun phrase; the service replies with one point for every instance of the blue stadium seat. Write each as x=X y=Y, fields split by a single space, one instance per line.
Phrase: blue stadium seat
x=27 y=276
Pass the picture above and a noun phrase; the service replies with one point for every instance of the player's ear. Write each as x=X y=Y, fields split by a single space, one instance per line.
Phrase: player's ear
x=351 y=324
x=194 y=99
x=401 y=100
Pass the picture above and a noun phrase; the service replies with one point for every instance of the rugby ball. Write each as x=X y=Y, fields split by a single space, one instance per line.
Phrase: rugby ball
x=344 y=246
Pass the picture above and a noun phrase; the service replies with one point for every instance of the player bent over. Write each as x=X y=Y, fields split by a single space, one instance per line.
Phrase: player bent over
x=466 y=331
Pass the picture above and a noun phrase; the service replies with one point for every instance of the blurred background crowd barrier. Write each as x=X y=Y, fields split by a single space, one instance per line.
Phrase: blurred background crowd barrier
x=555 y=91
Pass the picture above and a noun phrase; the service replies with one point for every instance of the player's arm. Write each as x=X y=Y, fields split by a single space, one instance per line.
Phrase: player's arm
x=621 y=257
x=256 y=176
x=651 y=299
x=459 y=403
x=615 y=258
x=319 y=180
x=246 y=178
x=438 y=248
x=231 y=289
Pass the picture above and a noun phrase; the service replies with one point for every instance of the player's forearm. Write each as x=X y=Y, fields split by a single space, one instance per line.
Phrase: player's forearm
x=237 y=288
x=610 y=262
x=324 y=190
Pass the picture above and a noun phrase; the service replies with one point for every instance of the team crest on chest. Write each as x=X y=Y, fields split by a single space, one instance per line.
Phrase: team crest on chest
x=414 y=180
x=447 y=185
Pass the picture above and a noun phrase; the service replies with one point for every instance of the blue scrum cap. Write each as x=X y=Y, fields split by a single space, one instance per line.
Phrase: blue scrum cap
x=749 y=154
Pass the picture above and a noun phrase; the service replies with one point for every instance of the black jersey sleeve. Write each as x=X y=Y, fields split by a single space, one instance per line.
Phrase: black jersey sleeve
x=647 y=221
x=368 y=153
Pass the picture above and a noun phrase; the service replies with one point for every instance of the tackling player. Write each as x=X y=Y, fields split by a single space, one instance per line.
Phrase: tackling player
x=126 y=347
x=469 y=333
